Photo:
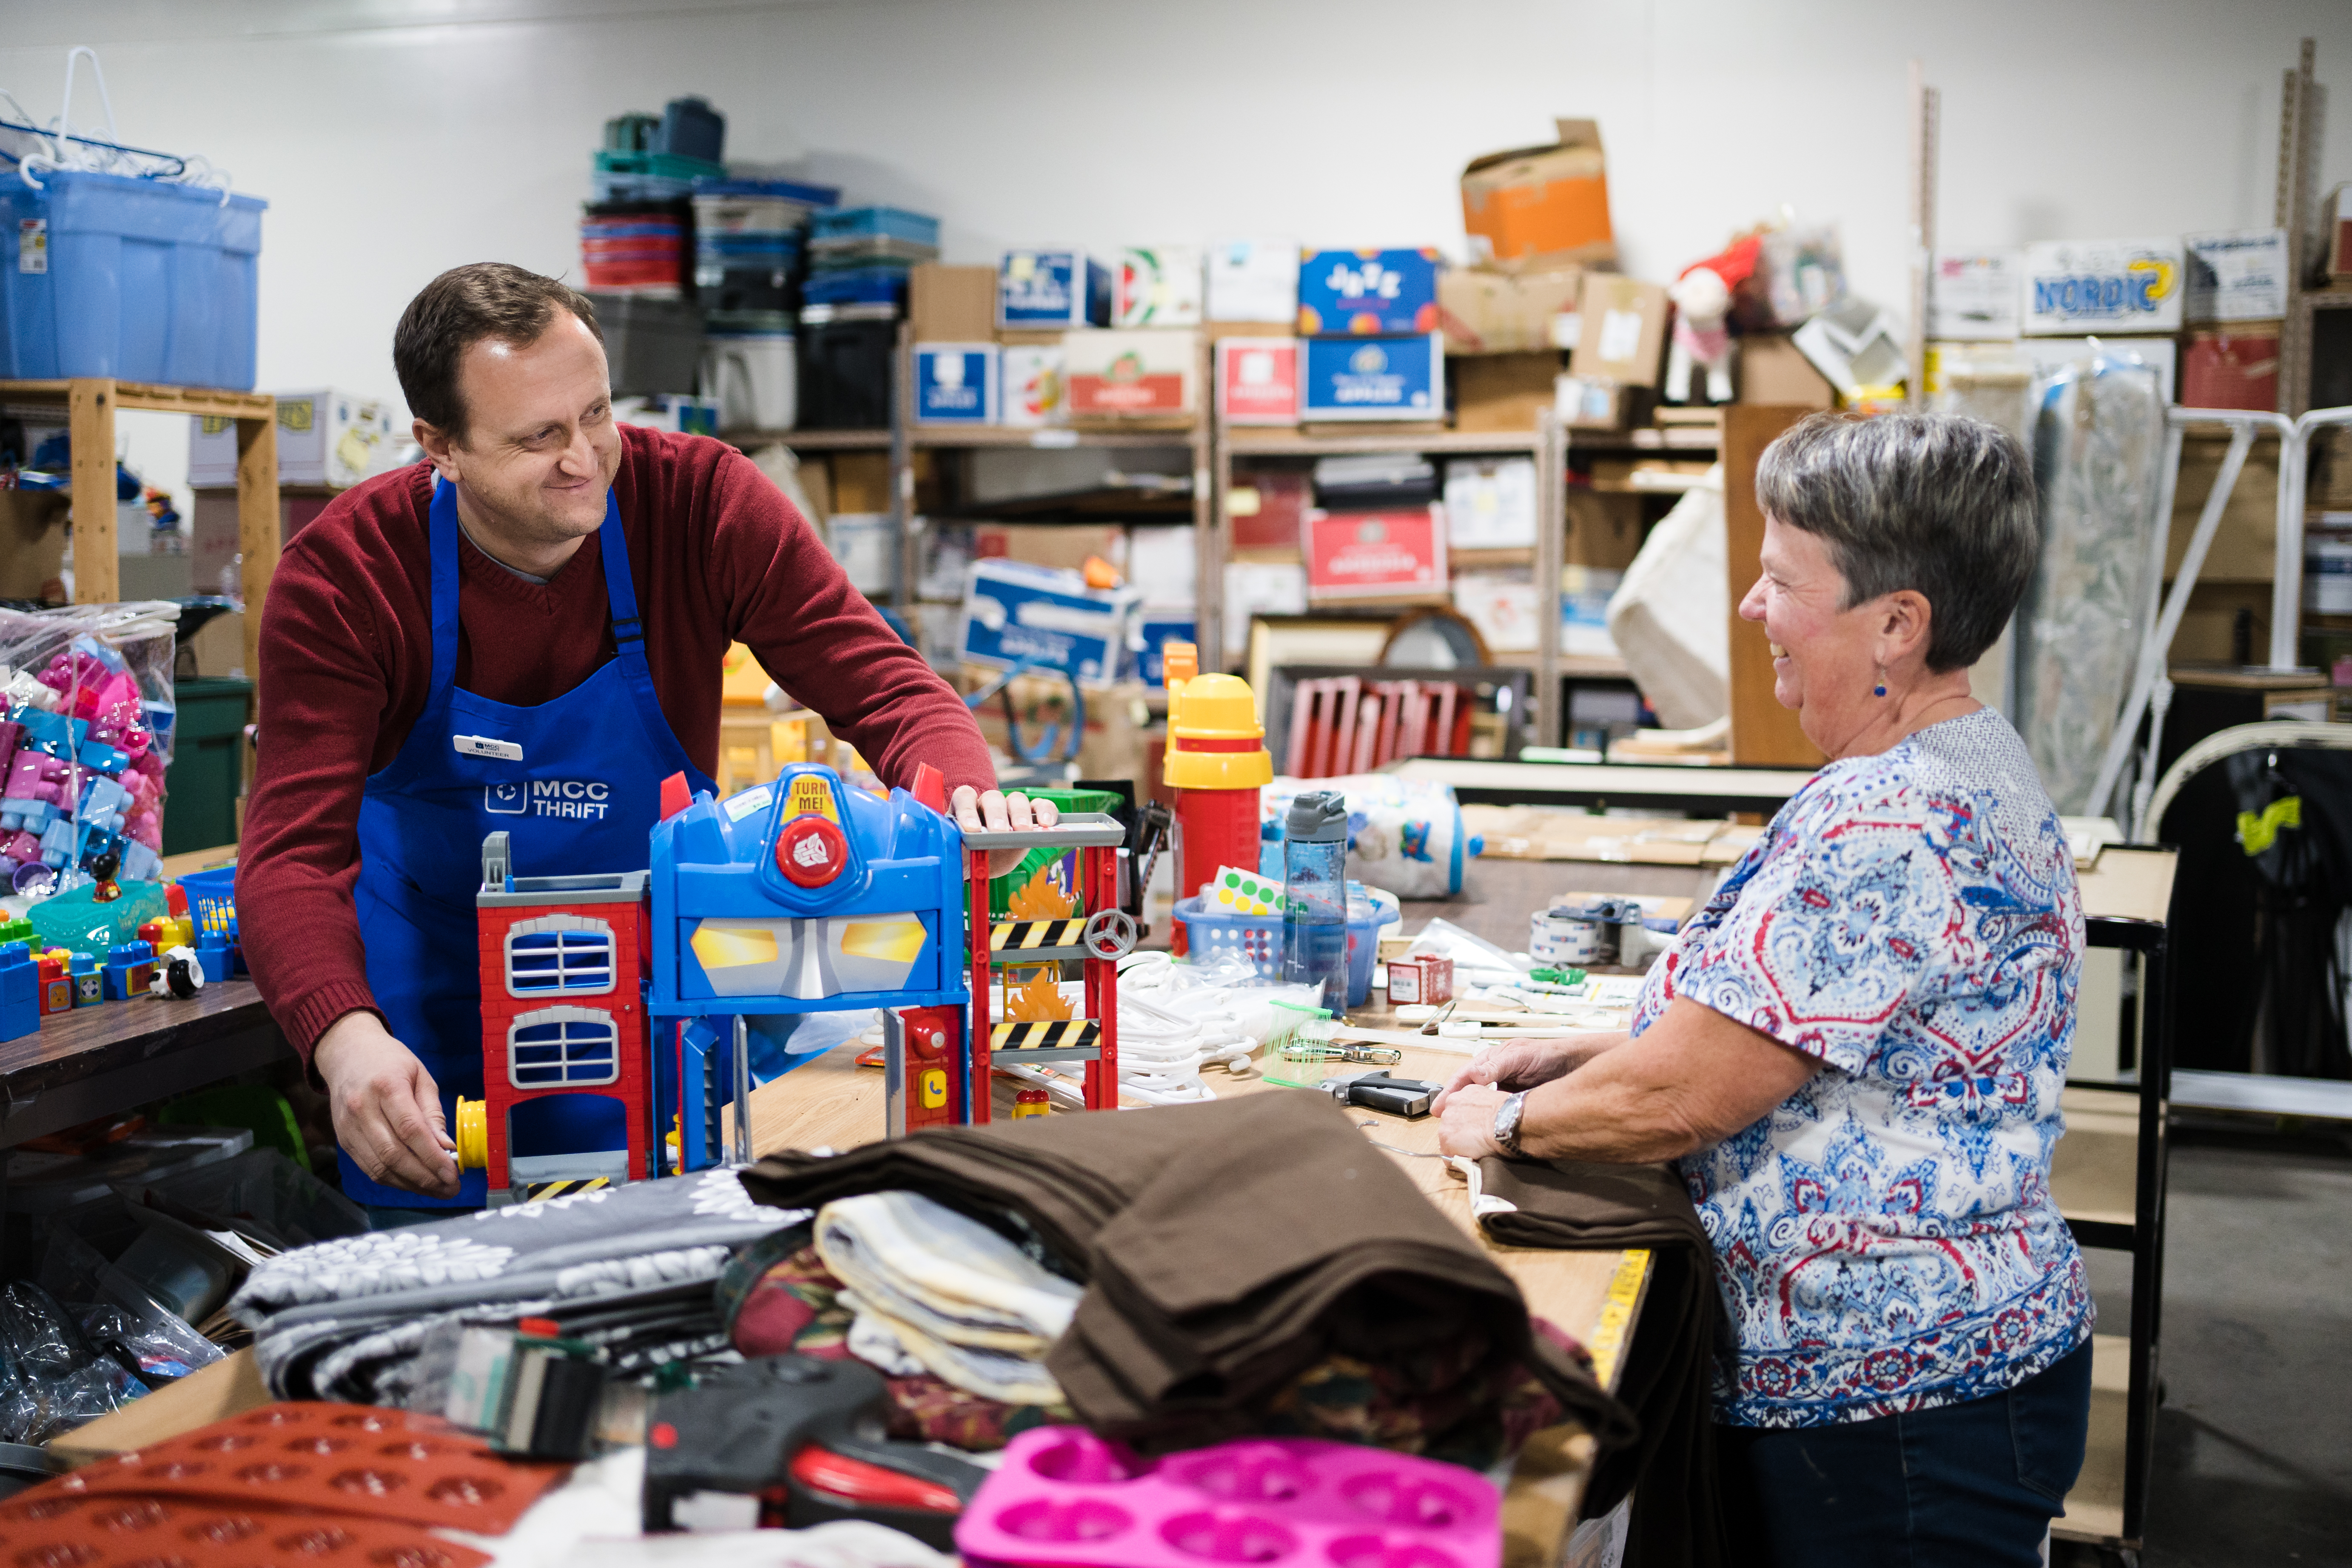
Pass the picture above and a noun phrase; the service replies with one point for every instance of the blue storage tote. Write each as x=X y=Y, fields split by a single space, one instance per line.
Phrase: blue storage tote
x=1210 y=933
x=144 y=281
x=891 y=223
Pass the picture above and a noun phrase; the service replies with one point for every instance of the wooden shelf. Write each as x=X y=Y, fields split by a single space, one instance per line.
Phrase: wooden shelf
x=811 y=440
x=1248 y=443
x=1658 y=439
x=1503 y=555
x=1051 y=439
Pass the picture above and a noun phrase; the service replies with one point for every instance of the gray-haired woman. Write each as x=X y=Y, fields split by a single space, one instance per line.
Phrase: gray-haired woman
x=1855 y=1050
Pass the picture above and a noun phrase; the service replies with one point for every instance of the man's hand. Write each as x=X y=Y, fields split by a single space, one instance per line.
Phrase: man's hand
x=1465 y=1123
x=999 y=812
x=387 y=1107
x=1516 y=1064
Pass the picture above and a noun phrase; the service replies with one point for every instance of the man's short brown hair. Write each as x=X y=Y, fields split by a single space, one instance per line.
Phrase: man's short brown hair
x=458 y=310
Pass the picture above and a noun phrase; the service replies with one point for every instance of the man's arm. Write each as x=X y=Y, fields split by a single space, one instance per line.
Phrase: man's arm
x=326 y=697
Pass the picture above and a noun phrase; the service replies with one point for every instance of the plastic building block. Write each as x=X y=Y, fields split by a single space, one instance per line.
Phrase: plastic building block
x=61 y=843
x=89 y=986
x=101 y=758
x=214 y=954
x=31 y=818
x=57 y=984
x=25 y=848
x=20 y=991
x=130 y=970
x=16 y=928
x=140 y=864
x=54 y=735
x=10 y=733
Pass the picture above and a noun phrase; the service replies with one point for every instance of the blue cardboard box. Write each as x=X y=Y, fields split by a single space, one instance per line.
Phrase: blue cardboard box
x=1368 y=293
x=1043 y=287
x=1372 y=378
x=1155 y=629
x=1014 y=613
x=955 y=383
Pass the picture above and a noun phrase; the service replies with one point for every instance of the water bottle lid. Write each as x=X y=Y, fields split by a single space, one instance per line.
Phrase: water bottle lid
x=1317 y=816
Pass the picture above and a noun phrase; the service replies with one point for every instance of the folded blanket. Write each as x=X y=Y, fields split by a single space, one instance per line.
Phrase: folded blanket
x=952 y=1277
x=348 y=1319
x=1227 y=1249
x=1677 y=1515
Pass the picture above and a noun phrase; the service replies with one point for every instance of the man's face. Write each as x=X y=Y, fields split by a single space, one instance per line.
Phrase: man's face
x=539 y=449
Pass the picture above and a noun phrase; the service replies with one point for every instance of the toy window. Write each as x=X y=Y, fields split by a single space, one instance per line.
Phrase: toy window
x=562 y=1047
x=558 y=953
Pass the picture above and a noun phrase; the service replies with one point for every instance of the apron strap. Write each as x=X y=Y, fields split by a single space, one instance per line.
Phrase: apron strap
x=620 y=588
x=442 y=540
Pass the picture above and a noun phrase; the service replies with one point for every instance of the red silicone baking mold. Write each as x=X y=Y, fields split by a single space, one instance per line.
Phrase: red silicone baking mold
x=60 y=1530
x=1064 y=1497
x=348 y=1460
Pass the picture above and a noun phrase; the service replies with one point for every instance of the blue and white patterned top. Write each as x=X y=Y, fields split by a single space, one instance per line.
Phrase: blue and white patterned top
x=1885 y=1239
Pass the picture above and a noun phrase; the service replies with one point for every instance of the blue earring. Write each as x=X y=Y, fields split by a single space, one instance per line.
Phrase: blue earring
x=1880 y=690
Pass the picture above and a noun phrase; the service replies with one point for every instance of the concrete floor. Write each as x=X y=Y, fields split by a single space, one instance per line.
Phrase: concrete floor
x=2253 y=1458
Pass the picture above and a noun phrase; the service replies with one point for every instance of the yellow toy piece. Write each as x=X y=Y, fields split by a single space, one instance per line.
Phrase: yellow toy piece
x=473 y=1134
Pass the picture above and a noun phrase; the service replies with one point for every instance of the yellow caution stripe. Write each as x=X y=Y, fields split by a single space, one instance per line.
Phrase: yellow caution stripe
x=1020 y=936
x=1071 y=1032
x=537 y=1190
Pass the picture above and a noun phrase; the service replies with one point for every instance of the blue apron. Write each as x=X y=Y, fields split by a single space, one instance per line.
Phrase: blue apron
x=583 y=799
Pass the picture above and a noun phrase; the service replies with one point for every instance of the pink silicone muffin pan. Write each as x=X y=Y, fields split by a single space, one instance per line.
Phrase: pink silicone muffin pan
x=1064 y=1497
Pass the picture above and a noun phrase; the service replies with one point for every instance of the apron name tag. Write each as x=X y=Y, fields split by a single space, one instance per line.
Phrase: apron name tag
x=483 y=746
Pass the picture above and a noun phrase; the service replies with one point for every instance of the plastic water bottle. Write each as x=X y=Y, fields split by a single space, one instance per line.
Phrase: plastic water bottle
x=1314 y=890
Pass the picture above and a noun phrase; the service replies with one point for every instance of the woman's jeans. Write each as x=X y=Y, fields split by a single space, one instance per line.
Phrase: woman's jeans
x=1976 y=1483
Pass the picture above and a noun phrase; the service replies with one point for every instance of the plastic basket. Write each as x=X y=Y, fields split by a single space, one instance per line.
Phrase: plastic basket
x=213 y=894
x=141 y=279
x=1258 y=938
x=890 y=222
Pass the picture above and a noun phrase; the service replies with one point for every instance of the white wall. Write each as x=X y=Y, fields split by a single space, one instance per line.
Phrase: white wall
x=395 y=138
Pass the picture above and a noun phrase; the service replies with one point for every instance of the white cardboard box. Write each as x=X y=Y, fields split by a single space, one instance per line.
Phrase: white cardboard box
x=1976 y=294
x=324 y=437
x=2103 y=286
x=1157 y=286
x=1253 y=280
x=2235 y=275
x=1490 y=503
x=1035 y=393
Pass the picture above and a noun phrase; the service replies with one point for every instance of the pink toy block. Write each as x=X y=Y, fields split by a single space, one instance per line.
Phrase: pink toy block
x=22 y=849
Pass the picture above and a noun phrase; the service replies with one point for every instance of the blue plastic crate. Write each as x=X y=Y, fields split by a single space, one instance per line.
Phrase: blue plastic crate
x=789 y=190
x=213 y=893
x=1258 y=938
x=860 y=286
x=889 y=222
x=143 y=281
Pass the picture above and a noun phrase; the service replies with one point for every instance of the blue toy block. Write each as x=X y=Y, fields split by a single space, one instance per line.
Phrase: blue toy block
x=100 y=757
x=61 y=844
x=140 y=864
x=130 y=967
x=104 y=804
x=28 y=814
x=54 y=733
x=97 y=841
x=89 y=986
x=215 y=955
x=20 y=992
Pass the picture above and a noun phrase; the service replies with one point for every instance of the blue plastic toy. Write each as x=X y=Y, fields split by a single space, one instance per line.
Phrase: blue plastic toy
x=20 y=1000
x=130 y=967
x=104 y=804
x=53 y=733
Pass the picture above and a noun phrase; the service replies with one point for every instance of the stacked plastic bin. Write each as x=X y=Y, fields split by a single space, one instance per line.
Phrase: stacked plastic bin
x=859 y=262
x=861 y=256
x=637 y=233
x=748 y=259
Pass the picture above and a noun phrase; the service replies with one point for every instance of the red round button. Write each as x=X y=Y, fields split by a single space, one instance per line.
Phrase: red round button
x=811 y=851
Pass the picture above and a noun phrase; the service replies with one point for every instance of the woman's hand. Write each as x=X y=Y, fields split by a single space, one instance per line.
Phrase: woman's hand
x=1000 y=813
x=1523 y=1064
x=1466 y=1118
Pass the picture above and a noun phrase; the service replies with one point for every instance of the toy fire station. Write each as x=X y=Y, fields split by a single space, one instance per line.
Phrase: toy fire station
x=799 y=896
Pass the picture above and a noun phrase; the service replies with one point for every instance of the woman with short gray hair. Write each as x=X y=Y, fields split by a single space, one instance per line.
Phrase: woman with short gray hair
x=1854 y=1052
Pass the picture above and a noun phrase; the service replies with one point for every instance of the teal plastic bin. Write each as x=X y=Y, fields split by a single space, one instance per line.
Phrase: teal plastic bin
x=140 y=280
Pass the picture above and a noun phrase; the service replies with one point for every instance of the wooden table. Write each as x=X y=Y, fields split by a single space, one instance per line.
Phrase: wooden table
x=96 y=1061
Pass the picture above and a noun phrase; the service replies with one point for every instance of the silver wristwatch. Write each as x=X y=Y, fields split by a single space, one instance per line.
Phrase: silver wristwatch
x=1507 y=1123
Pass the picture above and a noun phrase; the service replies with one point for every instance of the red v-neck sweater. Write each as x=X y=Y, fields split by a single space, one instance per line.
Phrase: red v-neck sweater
x=718 y=555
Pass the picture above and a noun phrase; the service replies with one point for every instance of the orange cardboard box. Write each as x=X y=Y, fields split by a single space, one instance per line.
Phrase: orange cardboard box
x=1541 y=206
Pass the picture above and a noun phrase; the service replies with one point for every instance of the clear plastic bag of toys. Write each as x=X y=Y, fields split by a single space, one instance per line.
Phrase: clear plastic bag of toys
x=85 y=737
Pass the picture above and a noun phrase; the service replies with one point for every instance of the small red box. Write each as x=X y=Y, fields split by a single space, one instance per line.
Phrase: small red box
x=1424 y=977
x=1274 y=514
x=2230 y=370
x=1375 y=555
x=1258 y=380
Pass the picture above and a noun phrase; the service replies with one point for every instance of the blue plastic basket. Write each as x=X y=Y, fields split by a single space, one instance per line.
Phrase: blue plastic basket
x=211 y=894
x=145 y=280
x=889 y=222
x=1258 y=938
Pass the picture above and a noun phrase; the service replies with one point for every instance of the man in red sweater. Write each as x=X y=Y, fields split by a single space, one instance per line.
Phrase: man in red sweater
x=439 y=637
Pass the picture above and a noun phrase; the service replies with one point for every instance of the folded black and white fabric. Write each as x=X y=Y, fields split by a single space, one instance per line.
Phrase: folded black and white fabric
x=348 y=1319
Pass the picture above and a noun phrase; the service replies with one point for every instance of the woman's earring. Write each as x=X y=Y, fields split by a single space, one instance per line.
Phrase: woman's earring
x=1880 y=690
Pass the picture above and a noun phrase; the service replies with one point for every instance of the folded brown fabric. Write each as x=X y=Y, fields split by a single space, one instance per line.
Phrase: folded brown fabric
x=1677 y=1514
x=1226 y=1248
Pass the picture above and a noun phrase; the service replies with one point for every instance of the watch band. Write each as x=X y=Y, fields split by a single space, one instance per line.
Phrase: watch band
x=1507 y=1123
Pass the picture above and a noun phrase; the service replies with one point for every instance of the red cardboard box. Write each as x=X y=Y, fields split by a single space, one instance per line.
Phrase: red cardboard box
x=1424 y=977
x=1375 y=555
x=1268 y=509
x=2230 y=370
x=1257 y=380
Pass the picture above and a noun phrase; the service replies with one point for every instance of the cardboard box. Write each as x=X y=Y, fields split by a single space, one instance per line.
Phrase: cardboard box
x=867 y=545
x=1032 y=390
x=1052 y=286
x=1540 y=206
x=2335 y=236
x=1502 y=608
x=1157 y=286
x=1487 y=313
x=955 y=383
x=2103 y=285
x=1118 y=374
x=1013 y=612
x=1372 y=378
x=1268 y=509
x=1253 y=280
x=324 y=437
x=1254 y=588
x=1163 y=561
x=1773 y=370
x=1490 y=503
x=1977 y=294
x=1622 y=332
x=2231 y=369
x=1368 y=293
x=1258 y=380
x=1589 y=402
x=2234 y=275
x=1375 y=555
x=33 y=544
x=951 y=304
x=1062 y=546
x=1156 y=627
x=1504 y=393
x=861 y=480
